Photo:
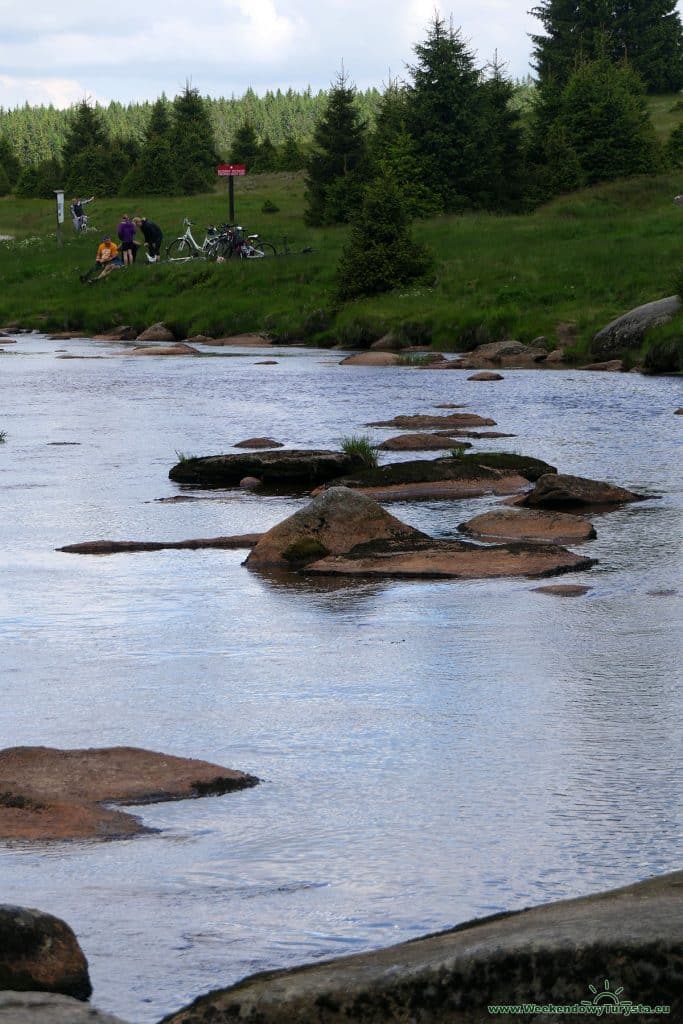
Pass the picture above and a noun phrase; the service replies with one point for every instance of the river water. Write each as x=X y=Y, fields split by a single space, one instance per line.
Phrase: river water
x=430 y=751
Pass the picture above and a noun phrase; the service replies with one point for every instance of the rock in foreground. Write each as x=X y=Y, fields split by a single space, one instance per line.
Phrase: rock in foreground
x=561 y=491
x=113 y=547
x=58 y=794
x=44 y=1008
x=336 y=521
x=561 y=953
x=39 y=952
x=285 y=469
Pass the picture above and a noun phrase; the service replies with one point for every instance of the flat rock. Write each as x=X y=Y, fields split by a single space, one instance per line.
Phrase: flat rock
x=123 y=333
x=336 y=521
x=288 y=468
x=47 y=1008
x=608 y=366
x=48 y=794
x=259 y=442
x=564 y=953
x=244 y=341
x=486 y=375
x=201 y=339
x=39 y=952
x=156 y=332
x=177 y=349
x=371 y=359
x=420 y=442
x=454 y=419
x=112 y=547
x=563 y=590
x=561 y=491
x=454 y=559
x=529 y=524
x=511 y=353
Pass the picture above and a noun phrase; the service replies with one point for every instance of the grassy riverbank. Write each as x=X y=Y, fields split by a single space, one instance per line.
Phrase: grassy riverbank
x=581 y=260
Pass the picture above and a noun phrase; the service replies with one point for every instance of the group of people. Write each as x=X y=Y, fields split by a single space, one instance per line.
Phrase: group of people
x=113 y=255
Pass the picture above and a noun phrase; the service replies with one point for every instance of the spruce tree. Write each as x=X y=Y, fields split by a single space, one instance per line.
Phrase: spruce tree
x=9 y=163
x=193 y=144
x=244 y=147
x=645 y=33
x=153 y=173
x=604 y=118
x=338 y=166
x=380 y=255
x=85 y=132
x=396 y=156
x=446 y=116
x=500 y=173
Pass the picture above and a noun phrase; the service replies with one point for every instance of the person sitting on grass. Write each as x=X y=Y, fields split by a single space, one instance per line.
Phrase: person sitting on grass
x=152 y=235
x=106 y=260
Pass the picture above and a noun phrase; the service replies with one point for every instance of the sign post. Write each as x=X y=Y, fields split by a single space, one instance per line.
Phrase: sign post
x=231 y=171
x=59 y=196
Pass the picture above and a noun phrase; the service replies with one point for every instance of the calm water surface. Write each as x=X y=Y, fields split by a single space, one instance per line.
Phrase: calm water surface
x=430 y=751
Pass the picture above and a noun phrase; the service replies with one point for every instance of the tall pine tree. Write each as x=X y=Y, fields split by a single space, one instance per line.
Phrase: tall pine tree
x=446 y=117
x=337 y=169
x=193 y=144
x=645 y=33
x=153 y=172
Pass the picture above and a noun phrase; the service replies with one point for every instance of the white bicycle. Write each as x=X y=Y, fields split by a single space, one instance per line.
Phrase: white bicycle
x=186 y=247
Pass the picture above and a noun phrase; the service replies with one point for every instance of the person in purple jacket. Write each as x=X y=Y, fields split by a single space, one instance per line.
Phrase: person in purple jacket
x=126 y=230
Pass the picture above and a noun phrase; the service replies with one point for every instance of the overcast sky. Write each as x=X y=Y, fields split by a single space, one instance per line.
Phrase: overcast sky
x=61 y=52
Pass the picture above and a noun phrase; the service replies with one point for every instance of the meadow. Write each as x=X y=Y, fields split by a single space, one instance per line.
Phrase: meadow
x=578 y=261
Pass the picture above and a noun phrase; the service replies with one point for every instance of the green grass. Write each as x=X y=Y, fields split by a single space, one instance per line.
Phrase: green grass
x=666 y=112
x=580 y=261
x=360 y=446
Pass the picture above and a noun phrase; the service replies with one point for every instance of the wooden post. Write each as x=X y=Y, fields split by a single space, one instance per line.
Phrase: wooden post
x=59 y=197
x=231 y=199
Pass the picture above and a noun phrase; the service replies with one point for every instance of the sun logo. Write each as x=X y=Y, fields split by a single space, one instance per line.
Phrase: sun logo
x=603 y=996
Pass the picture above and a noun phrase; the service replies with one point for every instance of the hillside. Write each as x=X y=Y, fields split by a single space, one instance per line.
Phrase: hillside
x=580 y=260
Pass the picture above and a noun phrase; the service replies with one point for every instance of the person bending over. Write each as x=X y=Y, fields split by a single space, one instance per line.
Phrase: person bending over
x=152 y=235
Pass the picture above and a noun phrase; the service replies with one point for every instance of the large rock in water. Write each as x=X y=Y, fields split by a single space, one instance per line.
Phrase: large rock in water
x=561 y=491
x=39 y=952
x=59 y=794
x=627 y=331
x=558 y=954
x=286 y=469
x=529 y=524
x=47 y=1008
x=336 y=521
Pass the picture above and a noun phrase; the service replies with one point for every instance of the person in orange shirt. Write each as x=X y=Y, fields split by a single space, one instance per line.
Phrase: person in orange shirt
x=106 y=260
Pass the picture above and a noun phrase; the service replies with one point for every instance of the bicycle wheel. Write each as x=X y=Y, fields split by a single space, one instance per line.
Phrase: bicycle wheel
x=179 y=251
x=259 y=251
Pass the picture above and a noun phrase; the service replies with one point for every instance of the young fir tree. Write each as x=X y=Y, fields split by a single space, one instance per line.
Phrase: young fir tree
x=290 y=155
x=380 y=255
x=604 y=118
x=152 y=174
x=646 y=33
x=244 y=148
x=9 y=163
x=501 y=177
x=85 y=132
x=92 y=163
x=337 y=169
x=446 y=117
x=395 y=154
x=192 y=144
x=266 y=156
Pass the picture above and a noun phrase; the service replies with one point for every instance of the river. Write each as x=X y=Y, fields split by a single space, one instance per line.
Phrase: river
x=430 y=751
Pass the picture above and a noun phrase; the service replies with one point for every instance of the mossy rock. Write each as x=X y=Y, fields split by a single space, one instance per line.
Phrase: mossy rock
x=416 y=471
x=526 y=466
x=306 y=549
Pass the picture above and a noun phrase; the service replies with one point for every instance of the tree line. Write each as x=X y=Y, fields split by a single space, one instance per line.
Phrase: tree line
x=450 y=136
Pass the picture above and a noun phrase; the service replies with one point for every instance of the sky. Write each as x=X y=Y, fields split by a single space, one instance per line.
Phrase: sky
x=134 y=50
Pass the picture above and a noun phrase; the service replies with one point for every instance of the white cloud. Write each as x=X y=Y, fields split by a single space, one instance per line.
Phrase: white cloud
x=134 y=51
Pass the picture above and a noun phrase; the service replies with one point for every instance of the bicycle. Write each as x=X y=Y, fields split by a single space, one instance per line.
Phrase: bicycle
x=186 y=247
x=249 y=247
